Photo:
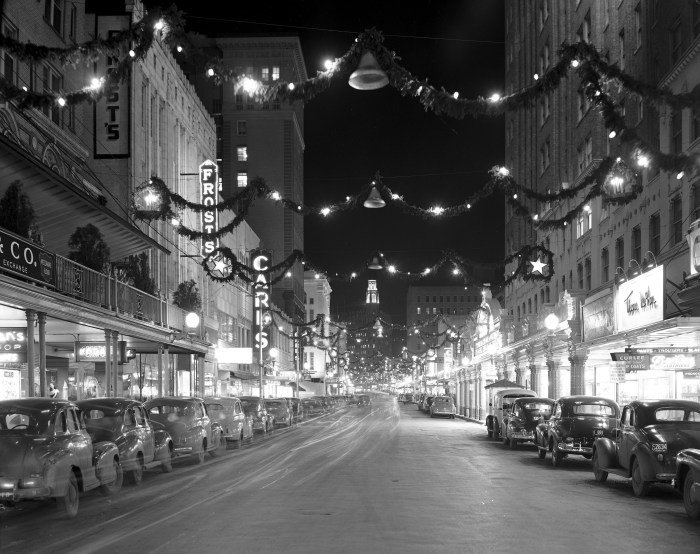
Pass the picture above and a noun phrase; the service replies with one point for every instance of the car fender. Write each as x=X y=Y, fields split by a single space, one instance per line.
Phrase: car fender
x=103 y=453
x=162 y=444
x=645 y=457
x=687 y=459
x=55 y=476
x=607 y=452
x=128 y=446
x=489 y=420
x=541 y=435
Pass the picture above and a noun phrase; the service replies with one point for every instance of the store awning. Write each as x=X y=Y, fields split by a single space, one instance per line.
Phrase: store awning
x=504 y=384
x=62 y=205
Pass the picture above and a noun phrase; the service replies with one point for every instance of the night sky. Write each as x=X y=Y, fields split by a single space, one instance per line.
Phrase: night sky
x=352 y=134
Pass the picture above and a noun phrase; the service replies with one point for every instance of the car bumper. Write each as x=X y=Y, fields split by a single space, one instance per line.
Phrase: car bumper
x=522 y=435
x=15 y=495
x=568 y=448
x=669 y=477
x=182 y=450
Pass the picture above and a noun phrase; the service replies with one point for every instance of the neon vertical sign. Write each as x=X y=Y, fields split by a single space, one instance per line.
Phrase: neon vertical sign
x=209 y=197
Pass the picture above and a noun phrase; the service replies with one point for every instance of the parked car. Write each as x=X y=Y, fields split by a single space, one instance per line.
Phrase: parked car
x=313 y=407
x=363 y=400
x=279 y=408
x=328 y=403
x=502 y=401
x=443 y=406
x=189 y=425
x=521 y=420
x=296 y=408
x=687 y=480
x=235 y=424
x=48 y=453
x=424 y=406
x=125 y=422
x=254 y=406
x=646 y=441
x=575 y=423
x=420 y=400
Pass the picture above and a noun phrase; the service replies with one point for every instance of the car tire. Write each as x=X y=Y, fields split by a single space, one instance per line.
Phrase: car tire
x=640 y=487
x=692 y=508
x=557 y=455
x=541 y=453
x=115 y=486
x=496 y=429
x=69 y=503
x=489 y=432
x=136 y=475
x=600 y=474
x=167 y=464
x=239 y=442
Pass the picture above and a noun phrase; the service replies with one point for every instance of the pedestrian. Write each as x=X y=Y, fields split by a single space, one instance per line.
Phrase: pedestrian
x=53 y=391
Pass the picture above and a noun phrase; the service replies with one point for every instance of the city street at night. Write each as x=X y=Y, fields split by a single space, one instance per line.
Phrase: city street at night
x=386 y=478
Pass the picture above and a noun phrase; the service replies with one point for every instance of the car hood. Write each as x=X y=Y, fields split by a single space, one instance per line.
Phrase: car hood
x=20 y=455
x=678 y=435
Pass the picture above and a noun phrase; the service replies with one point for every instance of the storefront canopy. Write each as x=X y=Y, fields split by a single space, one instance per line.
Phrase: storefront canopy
x=504 y=384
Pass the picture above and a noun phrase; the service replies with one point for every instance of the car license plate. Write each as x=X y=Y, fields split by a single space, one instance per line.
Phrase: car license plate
x=597 y=432
x=659 y=447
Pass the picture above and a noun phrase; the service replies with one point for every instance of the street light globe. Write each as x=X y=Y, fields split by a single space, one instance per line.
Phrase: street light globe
x=274 y=353
x=307 y=366
x=192 y=320
x=551 y=322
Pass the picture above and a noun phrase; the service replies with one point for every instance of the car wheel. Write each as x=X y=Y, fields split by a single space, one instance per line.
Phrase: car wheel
x=496 y=430
x=68 y=504
x=692 y=505
x=113 y=487
x=167 y=464
x=489 y=432
x=600 y=475
x=557 y=455
x=541 y=453
x=136 y=475
x=202 y=452
x=239 y=442
x=640 y=487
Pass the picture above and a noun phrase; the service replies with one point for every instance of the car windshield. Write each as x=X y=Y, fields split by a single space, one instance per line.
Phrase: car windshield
x=167 y=409
x=675 y=415
x=593 y=410
x=538 y=408
x=15 y=420
x=442 y=400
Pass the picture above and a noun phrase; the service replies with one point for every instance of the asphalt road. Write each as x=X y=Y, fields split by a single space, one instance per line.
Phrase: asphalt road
x=386 y=480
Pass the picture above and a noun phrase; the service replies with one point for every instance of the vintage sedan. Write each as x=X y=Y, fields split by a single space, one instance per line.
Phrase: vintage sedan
x=228 y=412
x=189 y=425
x=687 y=480
x=523 y=417
x=443 y=406
x=125 y=422
x=313 y=407
x=646 y=442
x=279 y=408
x=254 y=406
x=575 y=423
x=47 y=453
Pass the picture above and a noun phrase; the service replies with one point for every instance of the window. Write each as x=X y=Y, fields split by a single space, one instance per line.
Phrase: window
x=53 y=13
x=579 y=272
x=8 y=63
x=676 y=42
x=242 y=153
x=638 y=26
x=620 y=252
x=265 y=74
x=544 y=59
x=637 y=243
x=311 y=300
x=587 y=270
x=544 y=156
x=242 y=127
x=275 y=73
x=312 y=315
x=52 y=83
x=72 y=22
x=606 y=10
x=242 y=179
x=418 y=310
x=579 y=226
x=640 y=110
x=604 y=265
x=676 y=220
x=677 y=132
x=544 y=13
x=239 y=101
x=621 y=46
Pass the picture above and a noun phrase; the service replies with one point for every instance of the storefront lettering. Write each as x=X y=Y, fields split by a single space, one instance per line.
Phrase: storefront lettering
x=646 y=302
x=672 y=361
x=209 y=182
x=261 y=303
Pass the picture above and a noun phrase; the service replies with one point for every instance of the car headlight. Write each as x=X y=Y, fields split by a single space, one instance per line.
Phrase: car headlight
x=7 y=485
x=31 y=482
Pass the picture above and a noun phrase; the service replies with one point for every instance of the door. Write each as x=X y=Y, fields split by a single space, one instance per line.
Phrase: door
x=625 y=436
x=145 y=433
x=203 y=421
x=74 y=438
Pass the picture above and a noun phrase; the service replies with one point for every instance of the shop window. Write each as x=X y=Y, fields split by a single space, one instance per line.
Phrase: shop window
x=676 y=42
x=242 y=127
x=242 y=153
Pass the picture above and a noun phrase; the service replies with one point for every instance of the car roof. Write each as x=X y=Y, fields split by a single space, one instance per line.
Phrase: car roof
x=115 y=405
x=175 y=400
x=38 y=405
x=582 y=399
x=653 y=404
x=528 y=399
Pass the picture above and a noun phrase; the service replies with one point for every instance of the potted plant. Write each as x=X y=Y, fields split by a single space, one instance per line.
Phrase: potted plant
x=136 y=271
x=17 y=213
x=88 y=248
x=187 y=296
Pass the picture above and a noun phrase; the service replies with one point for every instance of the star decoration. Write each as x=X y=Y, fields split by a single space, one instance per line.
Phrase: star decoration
x=220 y=265
x=538 y=266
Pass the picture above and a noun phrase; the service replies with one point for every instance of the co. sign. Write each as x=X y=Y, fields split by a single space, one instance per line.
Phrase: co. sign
x=24 y=258
x=261 y=302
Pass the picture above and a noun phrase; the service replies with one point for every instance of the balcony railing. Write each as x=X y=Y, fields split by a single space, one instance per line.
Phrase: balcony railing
x=102 y=290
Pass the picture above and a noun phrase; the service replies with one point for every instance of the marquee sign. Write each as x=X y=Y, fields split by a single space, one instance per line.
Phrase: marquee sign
x=26 y=259
x=209 y=196
x=95 y=351
x=261 y=304
x=640 y=301
x=112 y=110
x=13 y=344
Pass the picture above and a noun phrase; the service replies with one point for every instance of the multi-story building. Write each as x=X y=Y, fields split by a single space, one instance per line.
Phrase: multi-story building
x=555 y=144
x=260 y=139
x=318 y=305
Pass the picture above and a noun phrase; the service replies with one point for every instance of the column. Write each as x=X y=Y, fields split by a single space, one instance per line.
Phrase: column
x=532 y=366
x=477 y=391
x=552 y=370
x=31 y=315
x=43 y=388
x=159 y=361
x=577 y=357
x=519 y=374
x=167 y=378
x=115 y=365
x=200 y=376
x=108 y=364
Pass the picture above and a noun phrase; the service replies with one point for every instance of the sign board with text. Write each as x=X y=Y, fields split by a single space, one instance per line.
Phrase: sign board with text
x=209 y=197
x=640 y=301
x=95 y=351
x=24 y=258
x=261 y=262
x=598 y=318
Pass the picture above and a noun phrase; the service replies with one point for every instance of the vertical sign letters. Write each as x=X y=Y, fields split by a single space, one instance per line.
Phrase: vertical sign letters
x=261 y=303
x=111 y=133
x=209 y=184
